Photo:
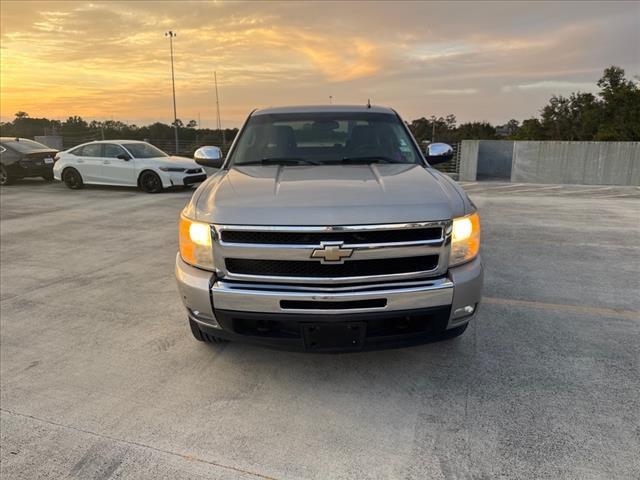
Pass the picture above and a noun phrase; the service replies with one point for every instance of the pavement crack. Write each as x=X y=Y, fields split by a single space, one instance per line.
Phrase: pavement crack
x=190 y=458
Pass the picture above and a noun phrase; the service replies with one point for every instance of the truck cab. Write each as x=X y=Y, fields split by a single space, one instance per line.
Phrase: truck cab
x=326 y=228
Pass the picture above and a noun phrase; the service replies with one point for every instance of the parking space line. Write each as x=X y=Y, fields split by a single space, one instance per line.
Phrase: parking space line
x=509 y=185
x=622 y=195
x=587 y=190
x=536 y=189
x=596 y=311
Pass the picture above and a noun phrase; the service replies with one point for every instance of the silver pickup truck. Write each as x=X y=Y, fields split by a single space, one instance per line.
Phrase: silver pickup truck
x=326 y=229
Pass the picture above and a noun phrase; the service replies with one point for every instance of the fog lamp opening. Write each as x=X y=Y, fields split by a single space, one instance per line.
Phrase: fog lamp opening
x=465 y=311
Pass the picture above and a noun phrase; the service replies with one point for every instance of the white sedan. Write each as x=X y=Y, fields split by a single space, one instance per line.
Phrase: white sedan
x=126 y=163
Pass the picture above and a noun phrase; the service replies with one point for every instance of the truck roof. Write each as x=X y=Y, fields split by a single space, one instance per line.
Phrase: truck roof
x=324 y=109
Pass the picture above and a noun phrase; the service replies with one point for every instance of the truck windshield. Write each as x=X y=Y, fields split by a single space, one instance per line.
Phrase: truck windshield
x=323 y=139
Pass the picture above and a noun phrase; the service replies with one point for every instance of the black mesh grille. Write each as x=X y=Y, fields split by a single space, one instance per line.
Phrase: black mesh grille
x=352 y=268
x=314 y=238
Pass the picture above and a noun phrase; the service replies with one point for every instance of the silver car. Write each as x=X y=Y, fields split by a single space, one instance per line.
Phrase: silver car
x=327 y=229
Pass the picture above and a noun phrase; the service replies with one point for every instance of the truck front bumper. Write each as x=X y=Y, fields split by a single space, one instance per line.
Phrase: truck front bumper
x=380 y=314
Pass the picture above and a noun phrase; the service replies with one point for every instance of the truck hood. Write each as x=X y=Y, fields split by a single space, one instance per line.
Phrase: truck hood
x=325 y=195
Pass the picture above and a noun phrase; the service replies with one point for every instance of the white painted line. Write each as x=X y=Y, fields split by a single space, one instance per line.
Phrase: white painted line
x=623 y=195
x=537 y=189
x=588 y=190
x=511 y=185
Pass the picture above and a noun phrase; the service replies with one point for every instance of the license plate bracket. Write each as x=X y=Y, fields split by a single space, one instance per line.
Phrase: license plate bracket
x=334 y=336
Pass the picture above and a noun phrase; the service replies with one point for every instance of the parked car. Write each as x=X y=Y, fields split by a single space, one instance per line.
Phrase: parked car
x=326 y=228
x=21 y=157
x=126 y=163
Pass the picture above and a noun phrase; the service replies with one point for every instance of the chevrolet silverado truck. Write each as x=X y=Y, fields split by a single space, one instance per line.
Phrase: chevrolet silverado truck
x=325 y=229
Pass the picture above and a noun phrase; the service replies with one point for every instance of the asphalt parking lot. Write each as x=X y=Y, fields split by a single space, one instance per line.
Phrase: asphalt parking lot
x=100 y=377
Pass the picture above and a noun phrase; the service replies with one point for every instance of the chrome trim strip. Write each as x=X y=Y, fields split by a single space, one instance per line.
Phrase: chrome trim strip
x=304 y=252
x=331 y=228
x=227 y=296
x=323 y=288
x=330 y=280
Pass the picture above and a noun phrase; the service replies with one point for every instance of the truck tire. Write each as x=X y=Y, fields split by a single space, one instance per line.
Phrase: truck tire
x=203 y=336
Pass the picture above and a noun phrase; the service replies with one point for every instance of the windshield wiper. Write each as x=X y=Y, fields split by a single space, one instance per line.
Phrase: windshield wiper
x=369 y=159
x=279 y=161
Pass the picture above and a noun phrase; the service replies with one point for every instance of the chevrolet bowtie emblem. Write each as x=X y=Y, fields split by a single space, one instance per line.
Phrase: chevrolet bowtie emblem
x=332 y=253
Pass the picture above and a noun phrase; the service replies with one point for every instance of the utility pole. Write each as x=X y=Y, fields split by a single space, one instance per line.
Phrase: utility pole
x=330 y=99
x=218 y=122
x=172 y=34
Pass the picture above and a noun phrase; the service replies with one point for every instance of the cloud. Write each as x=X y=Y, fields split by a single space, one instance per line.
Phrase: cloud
x=453 y=91
x=553 y=85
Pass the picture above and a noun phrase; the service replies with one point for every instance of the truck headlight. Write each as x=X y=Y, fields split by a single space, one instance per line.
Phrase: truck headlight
x=465 y=239
x=195 y=243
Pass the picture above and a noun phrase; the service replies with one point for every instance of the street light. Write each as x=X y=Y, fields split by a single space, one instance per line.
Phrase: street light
x=171 y=34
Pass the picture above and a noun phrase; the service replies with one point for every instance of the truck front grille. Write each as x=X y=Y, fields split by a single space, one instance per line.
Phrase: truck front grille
x=332 y=255
x=354 y=268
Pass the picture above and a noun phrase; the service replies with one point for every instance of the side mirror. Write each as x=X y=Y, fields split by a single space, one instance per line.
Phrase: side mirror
x=439 y=153
x=208 y=157
x=124 y=156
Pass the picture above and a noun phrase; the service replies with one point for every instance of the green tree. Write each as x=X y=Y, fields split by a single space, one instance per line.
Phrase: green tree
x=620 y=106
x=531 y=129
x=475 y=131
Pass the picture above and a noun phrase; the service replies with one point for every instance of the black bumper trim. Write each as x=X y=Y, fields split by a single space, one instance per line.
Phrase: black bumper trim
x=285 y=331
x=191 y=179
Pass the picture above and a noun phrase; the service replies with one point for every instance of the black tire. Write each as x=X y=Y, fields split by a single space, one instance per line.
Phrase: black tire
x=72 y=178
x=150 y=182
x=48 y=177
x=5 y=179
x=203 y=336
x=454 y=332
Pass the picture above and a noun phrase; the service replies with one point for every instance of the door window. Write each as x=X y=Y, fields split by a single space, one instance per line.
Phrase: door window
x=112 y=151
x=91 y=150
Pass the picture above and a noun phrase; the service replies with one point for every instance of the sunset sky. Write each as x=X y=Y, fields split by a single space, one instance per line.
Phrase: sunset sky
x=480 y=61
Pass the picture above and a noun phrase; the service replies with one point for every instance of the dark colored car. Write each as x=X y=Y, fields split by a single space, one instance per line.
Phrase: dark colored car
x=20 y=158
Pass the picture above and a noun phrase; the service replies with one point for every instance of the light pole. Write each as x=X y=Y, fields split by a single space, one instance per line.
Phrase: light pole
x=172 y=34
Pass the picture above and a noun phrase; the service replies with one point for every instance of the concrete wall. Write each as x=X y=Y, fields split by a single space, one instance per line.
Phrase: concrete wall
x=53 y=141
x=495 y=158
x=585 y=163
x=468 y=160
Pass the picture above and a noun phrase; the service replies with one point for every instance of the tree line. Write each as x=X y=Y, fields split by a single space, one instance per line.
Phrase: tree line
x=613 y=114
